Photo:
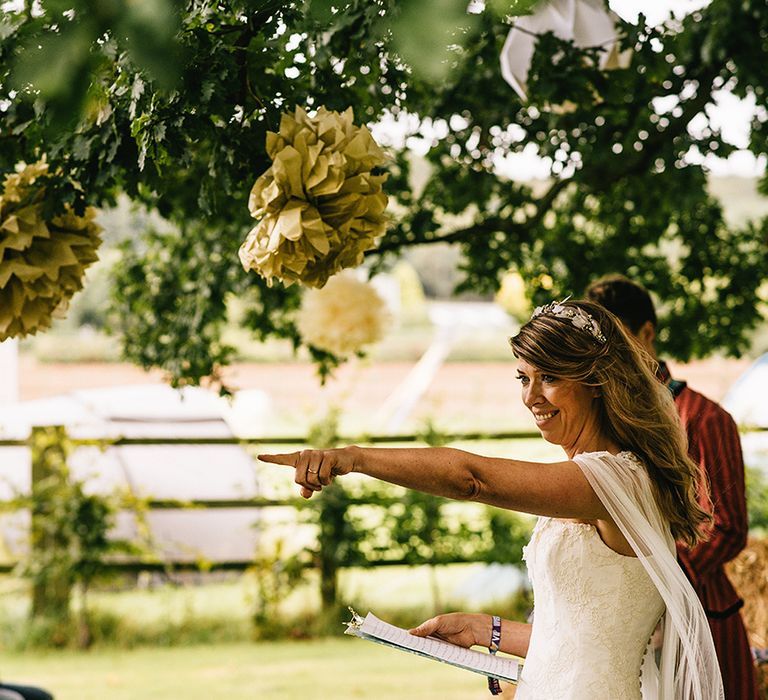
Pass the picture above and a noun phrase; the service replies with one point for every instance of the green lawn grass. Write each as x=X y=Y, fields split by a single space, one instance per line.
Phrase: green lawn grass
x=319 y=670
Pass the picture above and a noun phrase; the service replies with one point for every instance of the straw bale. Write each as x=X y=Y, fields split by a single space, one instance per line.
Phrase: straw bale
x=749 y=574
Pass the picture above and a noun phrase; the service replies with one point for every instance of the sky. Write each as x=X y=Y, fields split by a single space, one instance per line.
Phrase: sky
x=655 y=10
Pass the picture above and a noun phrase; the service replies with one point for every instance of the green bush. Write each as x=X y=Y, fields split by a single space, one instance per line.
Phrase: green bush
x=757 y=499
x=111 y=629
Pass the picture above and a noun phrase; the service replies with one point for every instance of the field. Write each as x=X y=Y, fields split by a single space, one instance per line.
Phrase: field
x=337 y=669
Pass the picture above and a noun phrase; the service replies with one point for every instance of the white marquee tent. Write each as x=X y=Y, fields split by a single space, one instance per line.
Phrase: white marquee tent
x=182 y=472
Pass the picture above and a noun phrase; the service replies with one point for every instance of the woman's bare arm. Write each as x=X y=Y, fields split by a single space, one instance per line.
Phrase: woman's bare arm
x=470 y=629
x=557 y=490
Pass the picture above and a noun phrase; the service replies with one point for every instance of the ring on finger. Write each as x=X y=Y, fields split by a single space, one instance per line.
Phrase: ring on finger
x=313 y=471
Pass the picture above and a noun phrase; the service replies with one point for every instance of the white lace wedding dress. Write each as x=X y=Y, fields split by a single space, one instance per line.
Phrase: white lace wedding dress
x=595 y=609
x=590 y=630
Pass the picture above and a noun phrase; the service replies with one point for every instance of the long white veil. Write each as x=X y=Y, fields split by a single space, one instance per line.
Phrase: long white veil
x=687 y=668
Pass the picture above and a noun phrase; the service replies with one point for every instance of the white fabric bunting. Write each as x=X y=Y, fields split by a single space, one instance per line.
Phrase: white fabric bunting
x=586 y=22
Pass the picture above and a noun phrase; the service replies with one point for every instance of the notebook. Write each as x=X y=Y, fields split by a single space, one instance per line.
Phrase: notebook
x=375 y=630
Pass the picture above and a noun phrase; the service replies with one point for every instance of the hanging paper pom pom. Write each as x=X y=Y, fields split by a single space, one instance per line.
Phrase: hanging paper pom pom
x=42 y=262
x=342 y=317
x=319 y=205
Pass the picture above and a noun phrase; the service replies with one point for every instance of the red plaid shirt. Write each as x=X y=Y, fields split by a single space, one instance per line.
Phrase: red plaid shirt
x=714 y=444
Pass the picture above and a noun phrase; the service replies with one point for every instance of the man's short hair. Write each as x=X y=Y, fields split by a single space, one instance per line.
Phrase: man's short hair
x=628 y=300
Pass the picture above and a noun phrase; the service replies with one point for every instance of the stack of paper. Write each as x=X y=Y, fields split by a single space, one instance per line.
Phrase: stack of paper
x=375 y=630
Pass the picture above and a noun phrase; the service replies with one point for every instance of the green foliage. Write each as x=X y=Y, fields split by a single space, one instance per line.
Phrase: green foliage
x=426 y=529
x=88 y=307
x=117 y=630
x=276 y=575
x=339 y=538
x=52 y=506
x=339 y=534
x=422 y=529
x=170 y=102
x=69 y=545
x=757 y=499
x=430 y=52
x=413 y=308
x=379 y=524
x=419 y=529
x=324 y=433
x=509 y=533
x=431 y=435
x=152 y=297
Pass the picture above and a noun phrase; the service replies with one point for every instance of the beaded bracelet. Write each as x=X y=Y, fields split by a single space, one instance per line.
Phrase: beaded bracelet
x=493 y=683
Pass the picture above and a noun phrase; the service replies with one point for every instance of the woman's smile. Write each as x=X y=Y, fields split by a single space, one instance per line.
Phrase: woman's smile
x=542 y=417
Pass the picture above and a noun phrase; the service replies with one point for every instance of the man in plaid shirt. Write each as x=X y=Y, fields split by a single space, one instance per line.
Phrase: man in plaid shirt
x=713 y=443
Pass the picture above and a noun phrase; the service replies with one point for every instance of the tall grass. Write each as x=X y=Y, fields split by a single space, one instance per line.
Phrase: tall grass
x=222 y=612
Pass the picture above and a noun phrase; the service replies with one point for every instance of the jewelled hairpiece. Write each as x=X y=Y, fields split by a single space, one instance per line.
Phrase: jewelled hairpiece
x=578 y=317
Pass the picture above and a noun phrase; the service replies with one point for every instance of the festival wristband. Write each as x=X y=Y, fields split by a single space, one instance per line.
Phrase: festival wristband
x=493 y=683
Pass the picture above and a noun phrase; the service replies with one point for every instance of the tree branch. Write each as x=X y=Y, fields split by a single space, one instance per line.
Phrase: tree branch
x=486 y=226
x=691 y=108
x=634 y=166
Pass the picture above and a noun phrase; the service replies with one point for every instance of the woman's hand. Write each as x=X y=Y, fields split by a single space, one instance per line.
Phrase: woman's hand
x=462 y=629
x=316 y=468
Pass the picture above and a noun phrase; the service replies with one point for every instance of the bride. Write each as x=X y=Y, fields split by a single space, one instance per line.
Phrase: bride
x=601 y=558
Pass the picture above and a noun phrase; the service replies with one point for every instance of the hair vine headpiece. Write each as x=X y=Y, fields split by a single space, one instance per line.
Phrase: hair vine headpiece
x=578 y=317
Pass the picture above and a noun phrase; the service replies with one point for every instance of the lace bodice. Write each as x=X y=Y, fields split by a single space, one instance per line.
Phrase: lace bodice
x=595 y=610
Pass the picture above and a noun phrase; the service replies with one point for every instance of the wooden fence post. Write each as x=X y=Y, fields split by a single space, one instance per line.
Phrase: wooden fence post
x=51 y=586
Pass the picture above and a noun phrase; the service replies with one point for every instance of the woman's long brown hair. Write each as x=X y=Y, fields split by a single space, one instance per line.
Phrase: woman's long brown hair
x=637 y=411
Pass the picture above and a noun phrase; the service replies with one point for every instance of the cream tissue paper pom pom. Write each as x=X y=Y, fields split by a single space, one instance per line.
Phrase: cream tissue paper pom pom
x=42 y=262
x=319 y=205
x=342 y=317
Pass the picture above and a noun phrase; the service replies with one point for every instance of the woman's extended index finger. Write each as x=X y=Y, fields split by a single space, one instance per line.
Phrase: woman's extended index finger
x=287 y=458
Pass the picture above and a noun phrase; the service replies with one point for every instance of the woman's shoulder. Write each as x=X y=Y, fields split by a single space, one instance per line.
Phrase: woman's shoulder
x=626 y=458
x=621 y=481
x=623 y=466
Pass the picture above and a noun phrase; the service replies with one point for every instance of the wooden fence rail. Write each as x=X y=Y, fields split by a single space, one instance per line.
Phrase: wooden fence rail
x=255 y=503
x=39 y=472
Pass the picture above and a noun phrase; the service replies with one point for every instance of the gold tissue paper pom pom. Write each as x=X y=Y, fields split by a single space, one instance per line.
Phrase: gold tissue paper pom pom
x=319 y=205
x=41 y=262
x=342 y=317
